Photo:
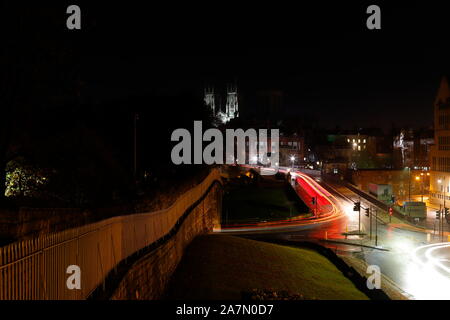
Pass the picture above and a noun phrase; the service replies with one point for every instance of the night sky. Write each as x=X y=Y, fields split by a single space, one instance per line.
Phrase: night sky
x=322 y=57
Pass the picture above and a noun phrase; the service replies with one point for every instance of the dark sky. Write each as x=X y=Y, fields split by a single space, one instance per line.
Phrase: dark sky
x=322 y=56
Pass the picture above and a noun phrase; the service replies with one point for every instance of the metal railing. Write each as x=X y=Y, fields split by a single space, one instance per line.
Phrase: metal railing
x=36 y=269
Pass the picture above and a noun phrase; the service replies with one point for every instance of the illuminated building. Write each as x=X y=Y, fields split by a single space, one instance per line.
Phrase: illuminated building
x=231 y=106
x=210 y=99
x=440 y=152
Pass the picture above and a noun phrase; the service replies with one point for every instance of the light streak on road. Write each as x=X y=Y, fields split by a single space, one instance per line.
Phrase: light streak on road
x=330 y=215
x=428 y=277
x=430 y=258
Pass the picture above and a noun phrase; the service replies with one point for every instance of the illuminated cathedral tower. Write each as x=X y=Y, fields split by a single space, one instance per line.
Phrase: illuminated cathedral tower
x=232 y=106
x=210 y=99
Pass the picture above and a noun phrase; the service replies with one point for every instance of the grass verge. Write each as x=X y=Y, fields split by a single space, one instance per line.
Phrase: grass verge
x=217 y=267
x=248 y=203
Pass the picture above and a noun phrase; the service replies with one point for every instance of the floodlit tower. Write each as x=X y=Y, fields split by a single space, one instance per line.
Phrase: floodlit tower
x=232 y=107
x=210 y=99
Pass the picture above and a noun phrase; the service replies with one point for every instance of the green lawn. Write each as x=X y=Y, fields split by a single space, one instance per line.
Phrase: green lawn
x=249 y=203
x=218 y=267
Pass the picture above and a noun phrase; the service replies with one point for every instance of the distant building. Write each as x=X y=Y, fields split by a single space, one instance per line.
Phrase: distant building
x=232 y=106
x=213 y=100
x=355 y=149
x=440 y=152
x=411 y=148
x=292 y=150
x=210 y=99
x=345 y=151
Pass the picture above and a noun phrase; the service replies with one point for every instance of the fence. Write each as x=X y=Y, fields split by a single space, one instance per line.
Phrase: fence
x=35 y=269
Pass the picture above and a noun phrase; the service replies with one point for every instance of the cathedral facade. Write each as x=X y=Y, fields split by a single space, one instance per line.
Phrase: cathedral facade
x=213 y=100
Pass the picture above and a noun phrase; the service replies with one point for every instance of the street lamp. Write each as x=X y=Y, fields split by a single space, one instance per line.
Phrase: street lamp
x=443 y=187
x=292 y=160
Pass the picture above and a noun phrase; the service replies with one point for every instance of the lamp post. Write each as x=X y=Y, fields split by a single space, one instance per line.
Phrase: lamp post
x=292 y=161
x=409 y=187
x=442 y=183
x=418 y=178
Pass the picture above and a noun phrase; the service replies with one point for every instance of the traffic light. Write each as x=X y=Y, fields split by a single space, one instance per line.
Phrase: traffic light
x=313 y=200
x=357 y=206
x=391 y=211
x=367 y=212
x=446 y=212
x=438 y=214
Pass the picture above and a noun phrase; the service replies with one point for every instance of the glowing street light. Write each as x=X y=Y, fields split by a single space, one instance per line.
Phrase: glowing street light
x=292 y=160
x=418 y=179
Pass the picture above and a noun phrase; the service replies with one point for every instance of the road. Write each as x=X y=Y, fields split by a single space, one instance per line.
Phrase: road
x=415 y=261
x=430 y=222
